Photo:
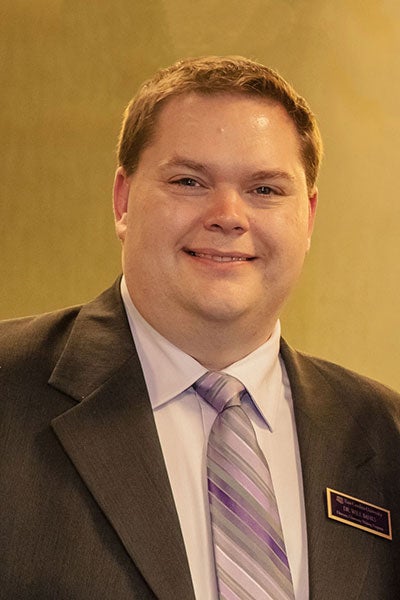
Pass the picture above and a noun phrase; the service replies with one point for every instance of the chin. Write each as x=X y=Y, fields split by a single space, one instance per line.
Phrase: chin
x=221 y=312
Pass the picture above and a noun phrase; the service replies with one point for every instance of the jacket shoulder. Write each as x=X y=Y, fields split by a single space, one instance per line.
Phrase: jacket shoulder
x=341 y=378
x=375 y=406
x=34 y=339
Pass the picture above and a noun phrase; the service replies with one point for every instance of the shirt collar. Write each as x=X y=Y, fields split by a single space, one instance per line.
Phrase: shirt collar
x=168 y=371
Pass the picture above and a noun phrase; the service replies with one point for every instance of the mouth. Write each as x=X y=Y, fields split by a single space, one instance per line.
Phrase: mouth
x=220 y=257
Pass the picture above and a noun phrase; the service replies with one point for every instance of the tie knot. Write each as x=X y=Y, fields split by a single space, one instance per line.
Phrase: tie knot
x=219 y=390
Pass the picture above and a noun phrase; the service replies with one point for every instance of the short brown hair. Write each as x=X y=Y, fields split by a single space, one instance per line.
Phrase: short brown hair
x=212 y=75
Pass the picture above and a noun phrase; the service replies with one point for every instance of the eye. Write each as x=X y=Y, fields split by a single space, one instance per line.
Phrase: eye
x=264 y=190
x=186 y=182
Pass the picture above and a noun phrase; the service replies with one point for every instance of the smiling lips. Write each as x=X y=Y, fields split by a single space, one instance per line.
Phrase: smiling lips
x=220 y=257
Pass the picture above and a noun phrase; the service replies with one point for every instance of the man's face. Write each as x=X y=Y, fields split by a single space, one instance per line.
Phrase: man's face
x=216 y=220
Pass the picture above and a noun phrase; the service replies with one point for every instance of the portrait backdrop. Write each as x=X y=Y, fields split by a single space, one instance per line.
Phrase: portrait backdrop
x=68 y=69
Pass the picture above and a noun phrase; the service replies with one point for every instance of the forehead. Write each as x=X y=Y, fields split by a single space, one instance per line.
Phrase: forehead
x=219 y=112
x=224 y=123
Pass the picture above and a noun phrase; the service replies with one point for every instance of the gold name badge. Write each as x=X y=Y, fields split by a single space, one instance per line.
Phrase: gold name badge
x=358 y=513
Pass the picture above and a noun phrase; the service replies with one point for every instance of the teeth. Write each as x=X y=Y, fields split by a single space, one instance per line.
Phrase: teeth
x=219 y=258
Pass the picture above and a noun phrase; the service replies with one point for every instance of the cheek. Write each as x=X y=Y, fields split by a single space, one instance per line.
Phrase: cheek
x=151 y=240
x=284 y=236
x=142 y=220
x=156 y=214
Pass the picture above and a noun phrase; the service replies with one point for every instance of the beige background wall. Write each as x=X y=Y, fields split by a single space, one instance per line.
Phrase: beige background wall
x=69 y=67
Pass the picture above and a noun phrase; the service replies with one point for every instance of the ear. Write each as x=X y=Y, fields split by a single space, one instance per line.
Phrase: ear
x=312 y=210
x=120 y=202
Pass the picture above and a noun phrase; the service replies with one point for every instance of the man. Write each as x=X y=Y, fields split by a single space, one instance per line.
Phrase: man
x=105 y=432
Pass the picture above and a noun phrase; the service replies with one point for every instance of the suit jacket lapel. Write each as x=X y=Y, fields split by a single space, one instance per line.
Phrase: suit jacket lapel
x=334 y=453
x=112 y=440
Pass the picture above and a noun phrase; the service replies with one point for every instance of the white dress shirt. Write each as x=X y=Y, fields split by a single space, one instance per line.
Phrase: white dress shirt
x=183 y=422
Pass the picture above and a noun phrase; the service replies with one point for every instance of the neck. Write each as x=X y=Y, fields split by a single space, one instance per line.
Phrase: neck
x=215 y=345
x=214 y=341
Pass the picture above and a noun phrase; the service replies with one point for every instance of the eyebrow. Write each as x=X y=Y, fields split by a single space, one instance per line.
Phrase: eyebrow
x=273 y=174
x=270 y=174
x=178 y=161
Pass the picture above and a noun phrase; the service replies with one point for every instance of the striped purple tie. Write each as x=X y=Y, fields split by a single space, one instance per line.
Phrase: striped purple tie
x=250 y=553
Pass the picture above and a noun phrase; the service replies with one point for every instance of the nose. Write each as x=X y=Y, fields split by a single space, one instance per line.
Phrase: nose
x=227 y=212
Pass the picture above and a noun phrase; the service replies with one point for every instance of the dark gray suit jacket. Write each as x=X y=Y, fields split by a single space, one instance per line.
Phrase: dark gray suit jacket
x=86 y=510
